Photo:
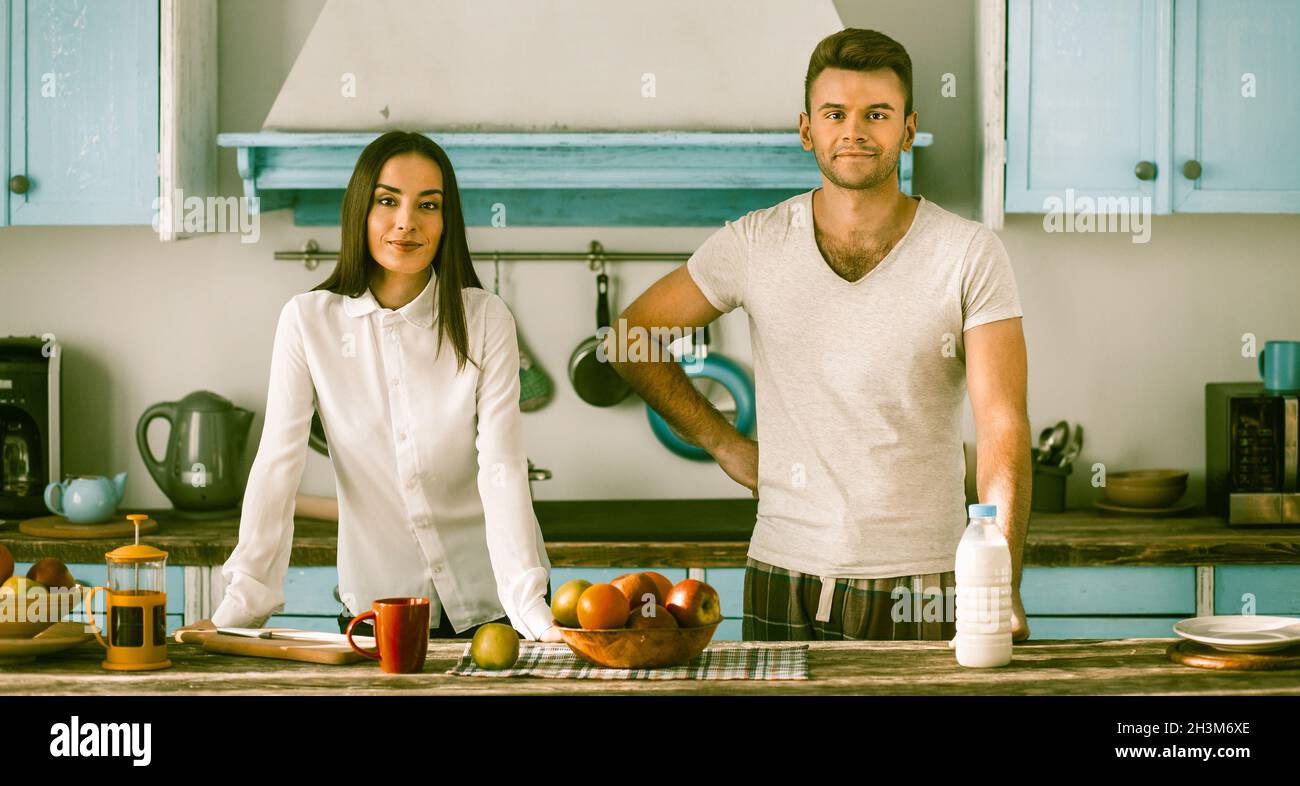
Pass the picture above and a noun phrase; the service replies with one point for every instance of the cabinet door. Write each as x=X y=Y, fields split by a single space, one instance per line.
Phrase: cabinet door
x=83 y=111
x=1235 y=108
x=6 y=55
x=1107 y=602
x=1083 y=108
x=1257 y=589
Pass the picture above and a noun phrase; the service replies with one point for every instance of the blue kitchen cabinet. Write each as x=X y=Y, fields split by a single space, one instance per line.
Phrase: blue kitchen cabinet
x=1236 y=116
x=1082 y=101
x=1102 y=627
x=81 y=142
x=1187 y=103
x=1106 y=602
x=1272 y=589
x=309 y=602
x=730 y=584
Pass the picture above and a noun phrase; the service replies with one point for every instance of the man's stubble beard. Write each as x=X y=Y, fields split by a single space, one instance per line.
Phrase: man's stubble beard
x=889 y=168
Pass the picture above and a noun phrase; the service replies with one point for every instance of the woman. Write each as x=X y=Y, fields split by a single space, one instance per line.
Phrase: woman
x=414 y=369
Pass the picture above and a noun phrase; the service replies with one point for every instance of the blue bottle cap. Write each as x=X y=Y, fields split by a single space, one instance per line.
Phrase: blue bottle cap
x=983 y=511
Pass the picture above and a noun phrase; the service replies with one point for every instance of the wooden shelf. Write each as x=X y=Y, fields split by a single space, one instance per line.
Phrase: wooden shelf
x=715 y=533
x=561 y=179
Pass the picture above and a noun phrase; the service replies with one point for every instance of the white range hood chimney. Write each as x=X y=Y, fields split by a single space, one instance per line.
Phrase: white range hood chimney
x=553 y=65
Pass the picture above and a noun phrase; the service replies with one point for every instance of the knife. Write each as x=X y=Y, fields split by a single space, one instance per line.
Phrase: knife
x=296 y=635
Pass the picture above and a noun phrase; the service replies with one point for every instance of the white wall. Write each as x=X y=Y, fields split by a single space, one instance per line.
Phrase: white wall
x=1122 y=337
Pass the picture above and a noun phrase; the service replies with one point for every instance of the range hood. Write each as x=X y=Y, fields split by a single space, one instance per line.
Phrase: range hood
x=566 y=112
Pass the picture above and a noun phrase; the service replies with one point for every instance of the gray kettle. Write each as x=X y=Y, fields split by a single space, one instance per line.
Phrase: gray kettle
x=203 y=471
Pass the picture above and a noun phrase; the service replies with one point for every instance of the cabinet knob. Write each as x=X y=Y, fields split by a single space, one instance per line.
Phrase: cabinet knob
x=18 y=184
x=1145 y=170
x=1192 y=169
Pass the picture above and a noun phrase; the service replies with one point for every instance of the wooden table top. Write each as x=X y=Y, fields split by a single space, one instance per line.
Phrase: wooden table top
x=715 y=533
x=1115 y=667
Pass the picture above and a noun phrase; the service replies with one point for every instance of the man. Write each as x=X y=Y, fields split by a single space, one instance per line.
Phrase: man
x=870 y=313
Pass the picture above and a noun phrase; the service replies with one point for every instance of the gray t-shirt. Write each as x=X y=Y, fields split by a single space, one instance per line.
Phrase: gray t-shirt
x=859 y=385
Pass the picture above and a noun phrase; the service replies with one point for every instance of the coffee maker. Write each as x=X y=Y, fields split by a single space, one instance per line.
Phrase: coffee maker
x=1252 y=453
x=29 y=424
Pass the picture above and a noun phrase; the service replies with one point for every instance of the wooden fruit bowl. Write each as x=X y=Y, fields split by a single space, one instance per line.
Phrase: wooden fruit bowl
x=645 y=648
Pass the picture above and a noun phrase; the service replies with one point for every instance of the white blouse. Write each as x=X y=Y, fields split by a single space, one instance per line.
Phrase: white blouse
x=429 y=463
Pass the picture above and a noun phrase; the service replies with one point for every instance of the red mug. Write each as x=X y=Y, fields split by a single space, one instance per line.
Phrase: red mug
x=401 y=634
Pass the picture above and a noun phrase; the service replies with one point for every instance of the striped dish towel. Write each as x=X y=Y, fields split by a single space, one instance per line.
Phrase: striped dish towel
x=716 y=662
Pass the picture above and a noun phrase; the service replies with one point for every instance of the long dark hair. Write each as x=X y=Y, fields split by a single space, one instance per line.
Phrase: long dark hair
x=451 y=262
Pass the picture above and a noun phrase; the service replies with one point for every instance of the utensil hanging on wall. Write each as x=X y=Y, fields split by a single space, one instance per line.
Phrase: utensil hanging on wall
x=535 y=387
x=595 y=380
x=700 y=364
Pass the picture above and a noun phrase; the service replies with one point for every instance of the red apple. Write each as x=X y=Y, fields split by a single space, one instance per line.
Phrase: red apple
x=694 y=604
x=6 y=564
x=52 y=573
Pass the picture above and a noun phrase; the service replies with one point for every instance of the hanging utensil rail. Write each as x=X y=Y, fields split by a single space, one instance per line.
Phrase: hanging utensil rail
x=311 y=255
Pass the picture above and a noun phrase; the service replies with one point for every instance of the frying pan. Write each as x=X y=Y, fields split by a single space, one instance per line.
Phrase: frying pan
x=596 y=381
x=702 y=364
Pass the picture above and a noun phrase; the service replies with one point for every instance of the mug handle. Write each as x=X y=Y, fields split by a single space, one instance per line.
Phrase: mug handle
x=49 y=498
x=1261 y=361
x=360 y=618
x=90 y=613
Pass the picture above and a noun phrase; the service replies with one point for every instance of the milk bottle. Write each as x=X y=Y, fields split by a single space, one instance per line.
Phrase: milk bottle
x=983 y=592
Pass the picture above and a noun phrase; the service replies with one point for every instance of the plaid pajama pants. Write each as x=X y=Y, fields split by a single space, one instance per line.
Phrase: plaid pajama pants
x=785 y=605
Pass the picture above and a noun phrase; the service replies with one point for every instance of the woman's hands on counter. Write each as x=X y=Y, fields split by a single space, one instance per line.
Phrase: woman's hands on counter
x=200 y=625
x=552 y=634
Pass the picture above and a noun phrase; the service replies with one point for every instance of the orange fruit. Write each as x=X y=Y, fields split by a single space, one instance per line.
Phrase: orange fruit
x=602 y=606
x=643 y=618
x=662 y=584
x=635 y=587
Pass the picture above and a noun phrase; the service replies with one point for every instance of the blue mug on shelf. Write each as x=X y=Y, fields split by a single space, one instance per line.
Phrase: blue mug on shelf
x=1279 y=365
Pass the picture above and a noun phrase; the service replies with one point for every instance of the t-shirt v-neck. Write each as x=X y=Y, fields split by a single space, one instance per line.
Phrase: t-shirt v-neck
x=917 y=218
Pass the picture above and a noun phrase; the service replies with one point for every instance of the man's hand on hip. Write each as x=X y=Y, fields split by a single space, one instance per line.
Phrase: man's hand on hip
x=738 y=458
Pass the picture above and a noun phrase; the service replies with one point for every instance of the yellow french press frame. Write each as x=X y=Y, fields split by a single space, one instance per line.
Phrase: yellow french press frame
x=151 y=653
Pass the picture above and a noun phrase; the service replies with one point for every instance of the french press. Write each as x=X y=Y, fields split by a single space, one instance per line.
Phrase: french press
x=136 y=607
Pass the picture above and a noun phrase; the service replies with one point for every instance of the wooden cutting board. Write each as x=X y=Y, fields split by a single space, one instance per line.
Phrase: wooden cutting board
x=1194 y=653
x=328 y=653
x=59 y=527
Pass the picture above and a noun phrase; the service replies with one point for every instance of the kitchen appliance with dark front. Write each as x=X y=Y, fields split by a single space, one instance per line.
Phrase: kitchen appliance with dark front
x=1252 y=463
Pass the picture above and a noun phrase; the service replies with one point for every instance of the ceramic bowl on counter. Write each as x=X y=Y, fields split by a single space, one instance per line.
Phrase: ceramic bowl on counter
x=1145 y=488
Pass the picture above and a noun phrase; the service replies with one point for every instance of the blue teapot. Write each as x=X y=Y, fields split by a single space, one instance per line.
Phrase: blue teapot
x=86 y=499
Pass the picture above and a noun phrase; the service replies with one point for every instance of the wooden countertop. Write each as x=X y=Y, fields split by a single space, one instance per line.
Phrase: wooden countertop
x=715 y=533
x=1121 y=666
